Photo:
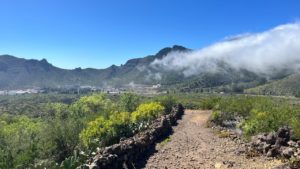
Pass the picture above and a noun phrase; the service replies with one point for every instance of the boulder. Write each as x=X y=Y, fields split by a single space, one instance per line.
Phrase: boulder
x=270 y=138
x=273 y=152
x=281 y=141
x=277 y=144
x=292 y=144
x=284 y=132
x=266 y=148
x=287 y=152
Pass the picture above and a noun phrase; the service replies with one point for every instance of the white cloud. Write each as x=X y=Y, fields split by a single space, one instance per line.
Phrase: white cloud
x=275 y=49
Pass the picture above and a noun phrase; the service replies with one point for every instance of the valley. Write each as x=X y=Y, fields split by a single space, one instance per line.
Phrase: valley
x=152 y=84
x=139 y=75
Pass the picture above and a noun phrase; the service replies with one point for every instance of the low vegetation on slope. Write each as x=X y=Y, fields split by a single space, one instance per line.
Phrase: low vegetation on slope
x=258 y=114
x=67 y=134
x=289 y=86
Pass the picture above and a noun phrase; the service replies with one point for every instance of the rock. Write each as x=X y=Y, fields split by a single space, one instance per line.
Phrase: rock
x=281 y=142
x=239 y=152
x=229 y=164
x=262 y=137
x=274 y=144
x=284 y=166
x=225 y=164
x=270 y=138
x=266 y=148
x=84 y=167
x=284 y=132
x=93 y=166
x=273 y=152
x=219 y=165
x=257 y=142
x=287 y=152
x=292 y=144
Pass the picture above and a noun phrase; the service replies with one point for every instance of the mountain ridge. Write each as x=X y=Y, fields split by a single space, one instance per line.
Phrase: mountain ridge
x=20 y=73
x=26 y=73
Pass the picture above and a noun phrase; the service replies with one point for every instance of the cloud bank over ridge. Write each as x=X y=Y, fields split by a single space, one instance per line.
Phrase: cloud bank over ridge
x=263 y=53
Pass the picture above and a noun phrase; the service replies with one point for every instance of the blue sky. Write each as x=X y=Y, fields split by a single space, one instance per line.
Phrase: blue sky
x=99 y=33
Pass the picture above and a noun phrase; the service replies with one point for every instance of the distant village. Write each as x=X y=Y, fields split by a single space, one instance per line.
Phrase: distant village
x=76 y=89
x=21 y=91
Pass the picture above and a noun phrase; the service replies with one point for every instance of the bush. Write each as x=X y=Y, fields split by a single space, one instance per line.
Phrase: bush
x=147 y=112
x=93 y=105
x=209 y=103
x=99 y=130
x=50 y=138
x=20 y=143
x=295 y=124
x=168 y=102
x=216 y=117
x=129 y=101
x=261 y=114
x=119 y=124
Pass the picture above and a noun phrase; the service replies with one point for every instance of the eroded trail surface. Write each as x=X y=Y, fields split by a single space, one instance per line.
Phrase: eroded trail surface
x=192 y=145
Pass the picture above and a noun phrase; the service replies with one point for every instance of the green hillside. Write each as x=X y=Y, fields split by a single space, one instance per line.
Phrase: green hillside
x=288 y=86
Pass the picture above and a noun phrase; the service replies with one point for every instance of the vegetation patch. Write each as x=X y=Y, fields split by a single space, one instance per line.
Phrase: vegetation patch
x=259 y=113
x=64 y=134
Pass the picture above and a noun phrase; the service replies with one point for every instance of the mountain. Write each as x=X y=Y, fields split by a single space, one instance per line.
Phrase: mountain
x=288 y=86
x=16 y=73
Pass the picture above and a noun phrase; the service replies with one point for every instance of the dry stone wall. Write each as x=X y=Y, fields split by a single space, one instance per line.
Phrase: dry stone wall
x=126 y=153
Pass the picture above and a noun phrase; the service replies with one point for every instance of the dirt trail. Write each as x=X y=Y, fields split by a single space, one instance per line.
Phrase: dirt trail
x=192 y=145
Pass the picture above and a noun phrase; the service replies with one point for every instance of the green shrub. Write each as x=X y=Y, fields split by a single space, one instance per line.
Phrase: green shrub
x=147 y=112
x=261 y=114
x=216 y=117
x=58 y=128
x=119 y=124
x=209 y=103
x=168 y=102
x=99 y=130
x=295 y=124
x=129 y=101
x=20 y=143
x=93 y=105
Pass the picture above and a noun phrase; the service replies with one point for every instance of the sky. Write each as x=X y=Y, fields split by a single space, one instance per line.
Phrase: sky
x=99 y=33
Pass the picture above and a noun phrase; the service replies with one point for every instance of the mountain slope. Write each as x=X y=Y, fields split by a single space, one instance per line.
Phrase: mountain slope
x=288 y=86
x=21 y=73
x=18 y=73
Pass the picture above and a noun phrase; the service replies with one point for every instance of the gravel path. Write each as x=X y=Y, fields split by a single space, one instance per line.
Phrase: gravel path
x=192 y=146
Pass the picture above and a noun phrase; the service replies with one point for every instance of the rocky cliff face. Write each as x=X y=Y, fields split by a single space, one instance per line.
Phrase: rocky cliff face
x=130 y=150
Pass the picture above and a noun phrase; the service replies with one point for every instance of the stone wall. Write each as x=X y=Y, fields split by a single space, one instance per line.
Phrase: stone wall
x=129 y=151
